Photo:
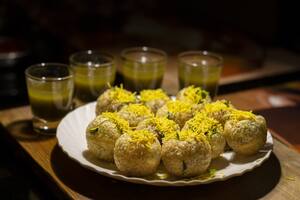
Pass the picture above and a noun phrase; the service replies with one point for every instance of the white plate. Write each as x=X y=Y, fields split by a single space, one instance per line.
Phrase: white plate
x=71 y=138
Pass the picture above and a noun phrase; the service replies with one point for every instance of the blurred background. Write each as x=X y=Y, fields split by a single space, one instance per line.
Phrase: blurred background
x=33 y=31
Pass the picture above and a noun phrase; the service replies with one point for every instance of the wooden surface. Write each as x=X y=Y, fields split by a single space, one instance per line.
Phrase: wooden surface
x=277 y=178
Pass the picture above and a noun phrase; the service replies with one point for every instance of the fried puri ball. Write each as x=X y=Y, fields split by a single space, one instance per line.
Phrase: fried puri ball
x=187 y=157
x=162 y=127
x=219 y=110
x=154 y=99
x=211 y=128
x=114 y=99
x=194 y=95
x=135 y=113
x=178 y=111
x=102 y=133
x=245 y=132
x=137 y=153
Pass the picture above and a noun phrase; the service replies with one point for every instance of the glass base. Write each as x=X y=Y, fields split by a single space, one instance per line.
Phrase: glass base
x=44 y=127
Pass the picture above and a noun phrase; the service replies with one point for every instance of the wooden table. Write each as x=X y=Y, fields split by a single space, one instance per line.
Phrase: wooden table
x=277 y=178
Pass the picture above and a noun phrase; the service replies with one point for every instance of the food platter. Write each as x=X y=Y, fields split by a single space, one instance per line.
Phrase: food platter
x=71 y=138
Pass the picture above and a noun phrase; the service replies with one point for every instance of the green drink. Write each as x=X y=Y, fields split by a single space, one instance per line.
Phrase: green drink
x=143 y=68
x=49 y=106
x=50 y=90
x=94 y=72
x=200 y=69
x=137 y=80
x=91 y=82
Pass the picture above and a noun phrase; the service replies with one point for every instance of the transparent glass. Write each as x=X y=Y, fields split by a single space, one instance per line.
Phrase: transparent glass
x=50 y=89
x=94 y=72
x=143 y=68
x=200 y=68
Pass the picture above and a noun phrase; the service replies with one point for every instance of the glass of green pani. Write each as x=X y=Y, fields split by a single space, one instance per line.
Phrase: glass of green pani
x=143 y=68
x=50 y=89
x=94 y=72
x=200 y=68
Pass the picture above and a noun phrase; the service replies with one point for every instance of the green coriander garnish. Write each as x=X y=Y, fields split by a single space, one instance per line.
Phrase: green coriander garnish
x=93 y=129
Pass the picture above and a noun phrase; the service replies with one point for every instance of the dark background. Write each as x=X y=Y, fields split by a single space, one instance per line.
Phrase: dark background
x=33 y=31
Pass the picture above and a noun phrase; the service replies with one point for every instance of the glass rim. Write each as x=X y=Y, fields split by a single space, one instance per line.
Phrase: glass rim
x=43 y=64
x=219 y=59
x=143 y=49
x=72 y=57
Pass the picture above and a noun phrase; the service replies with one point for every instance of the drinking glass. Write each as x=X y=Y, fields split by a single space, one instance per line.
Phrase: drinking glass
x=200 y=68
x=94 y=72
x=143 y=68
x=50 y=89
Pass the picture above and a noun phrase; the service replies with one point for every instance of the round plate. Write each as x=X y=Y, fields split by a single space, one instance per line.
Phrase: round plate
x=71 y=138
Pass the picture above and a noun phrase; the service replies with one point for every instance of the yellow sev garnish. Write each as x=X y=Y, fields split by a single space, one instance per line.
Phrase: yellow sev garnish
x=230 y=112
x=202 y=124
x=149 y=95
x=238 y=115
x=121 y=95
x=217 y=106
x=167 y=128
x=143 y=137
x=179 y=106
x=188 y=134
x=121 y=123
x=196 y=95
x=138 y=109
